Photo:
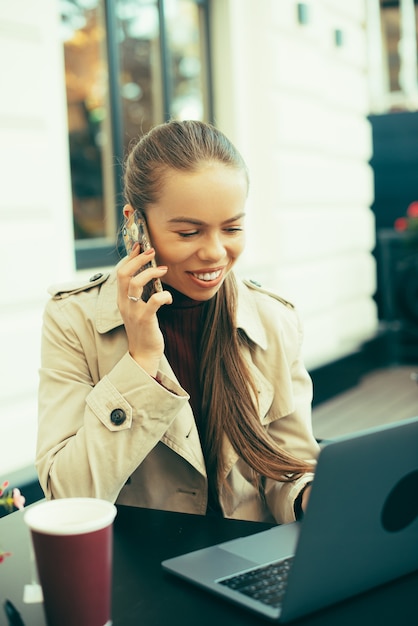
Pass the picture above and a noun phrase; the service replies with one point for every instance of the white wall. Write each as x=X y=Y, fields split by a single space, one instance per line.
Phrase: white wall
x=296 y=105
x=35 y=209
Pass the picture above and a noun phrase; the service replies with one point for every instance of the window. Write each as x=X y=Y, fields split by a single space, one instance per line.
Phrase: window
x=129 y=64
x=399 y=25
x=391 y=33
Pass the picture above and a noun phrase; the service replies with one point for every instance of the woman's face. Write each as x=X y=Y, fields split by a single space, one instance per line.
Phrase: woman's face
x=197 y=227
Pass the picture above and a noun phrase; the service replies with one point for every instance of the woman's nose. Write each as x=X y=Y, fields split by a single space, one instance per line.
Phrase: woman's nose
x=212 y=248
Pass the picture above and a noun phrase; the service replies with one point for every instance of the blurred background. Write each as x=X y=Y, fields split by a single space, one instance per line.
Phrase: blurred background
x=320 y=97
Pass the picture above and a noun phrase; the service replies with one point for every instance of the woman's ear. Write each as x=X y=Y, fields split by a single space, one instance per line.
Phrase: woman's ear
x=128 y=210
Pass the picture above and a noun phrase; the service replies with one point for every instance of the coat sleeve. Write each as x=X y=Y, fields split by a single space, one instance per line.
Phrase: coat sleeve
x=293 y=431
x=95 y=431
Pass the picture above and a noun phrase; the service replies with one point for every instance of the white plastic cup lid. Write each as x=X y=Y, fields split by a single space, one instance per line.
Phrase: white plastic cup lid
x=70 y=516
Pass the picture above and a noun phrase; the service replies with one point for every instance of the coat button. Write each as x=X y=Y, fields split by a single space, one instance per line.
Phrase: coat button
x=95 y=277
x=117 y=417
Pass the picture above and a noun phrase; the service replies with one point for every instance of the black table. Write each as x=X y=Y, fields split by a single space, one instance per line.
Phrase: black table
x=144 y=595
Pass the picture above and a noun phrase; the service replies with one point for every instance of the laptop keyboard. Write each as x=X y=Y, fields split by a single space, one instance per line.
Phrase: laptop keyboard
x=266 y=584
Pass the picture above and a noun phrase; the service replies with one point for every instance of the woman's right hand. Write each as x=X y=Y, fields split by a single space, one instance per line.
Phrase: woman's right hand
x=145 y=340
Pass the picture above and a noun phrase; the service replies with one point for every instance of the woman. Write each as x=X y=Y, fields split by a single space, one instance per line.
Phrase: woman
x=196 y=400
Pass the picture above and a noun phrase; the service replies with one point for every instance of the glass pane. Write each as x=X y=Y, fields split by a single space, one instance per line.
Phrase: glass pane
x=416 y=30
x=187 y=60
x=391 y=35
x=140 y=63
x=83 y=34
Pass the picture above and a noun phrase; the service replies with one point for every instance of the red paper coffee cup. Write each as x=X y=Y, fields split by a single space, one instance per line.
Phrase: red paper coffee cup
x=72 y=540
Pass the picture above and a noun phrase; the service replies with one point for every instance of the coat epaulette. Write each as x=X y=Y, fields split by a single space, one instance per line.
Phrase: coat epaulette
x=63 y=290
x=253 y=284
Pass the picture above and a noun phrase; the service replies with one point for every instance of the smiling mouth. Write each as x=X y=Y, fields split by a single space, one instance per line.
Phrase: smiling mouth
x=207 y=276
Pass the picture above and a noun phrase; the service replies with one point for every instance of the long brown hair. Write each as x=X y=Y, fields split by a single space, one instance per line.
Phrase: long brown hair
x=229 y=396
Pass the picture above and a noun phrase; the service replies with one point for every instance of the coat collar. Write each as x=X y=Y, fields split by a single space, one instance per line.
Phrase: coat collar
x=248 y=317
x=108 y=315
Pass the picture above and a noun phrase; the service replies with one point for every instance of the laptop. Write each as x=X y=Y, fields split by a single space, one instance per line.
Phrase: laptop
x=360 y=530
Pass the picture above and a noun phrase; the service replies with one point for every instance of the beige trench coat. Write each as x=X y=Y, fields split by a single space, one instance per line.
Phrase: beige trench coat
x=151 y=455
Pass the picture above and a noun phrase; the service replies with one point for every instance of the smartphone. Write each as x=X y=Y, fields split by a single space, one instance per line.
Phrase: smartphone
x=135 y=230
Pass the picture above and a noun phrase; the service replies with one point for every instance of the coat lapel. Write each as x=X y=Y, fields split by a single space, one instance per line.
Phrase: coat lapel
x=182 y=435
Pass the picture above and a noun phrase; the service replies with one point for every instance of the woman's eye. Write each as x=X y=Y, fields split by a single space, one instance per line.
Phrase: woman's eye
x=189 y=233
x=234 y=229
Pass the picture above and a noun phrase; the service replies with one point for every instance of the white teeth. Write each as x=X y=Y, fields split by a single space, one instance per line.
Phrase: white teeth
x=208 y=275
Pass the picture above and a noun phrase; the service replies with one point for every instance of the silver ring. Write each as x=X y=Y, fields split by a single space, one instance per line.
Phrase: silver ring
x=134 y=299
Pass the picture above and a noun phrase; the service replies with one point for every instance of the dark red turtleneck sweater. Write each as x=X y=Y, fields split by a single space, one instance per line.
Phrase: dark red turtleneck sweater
x=182 y=324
